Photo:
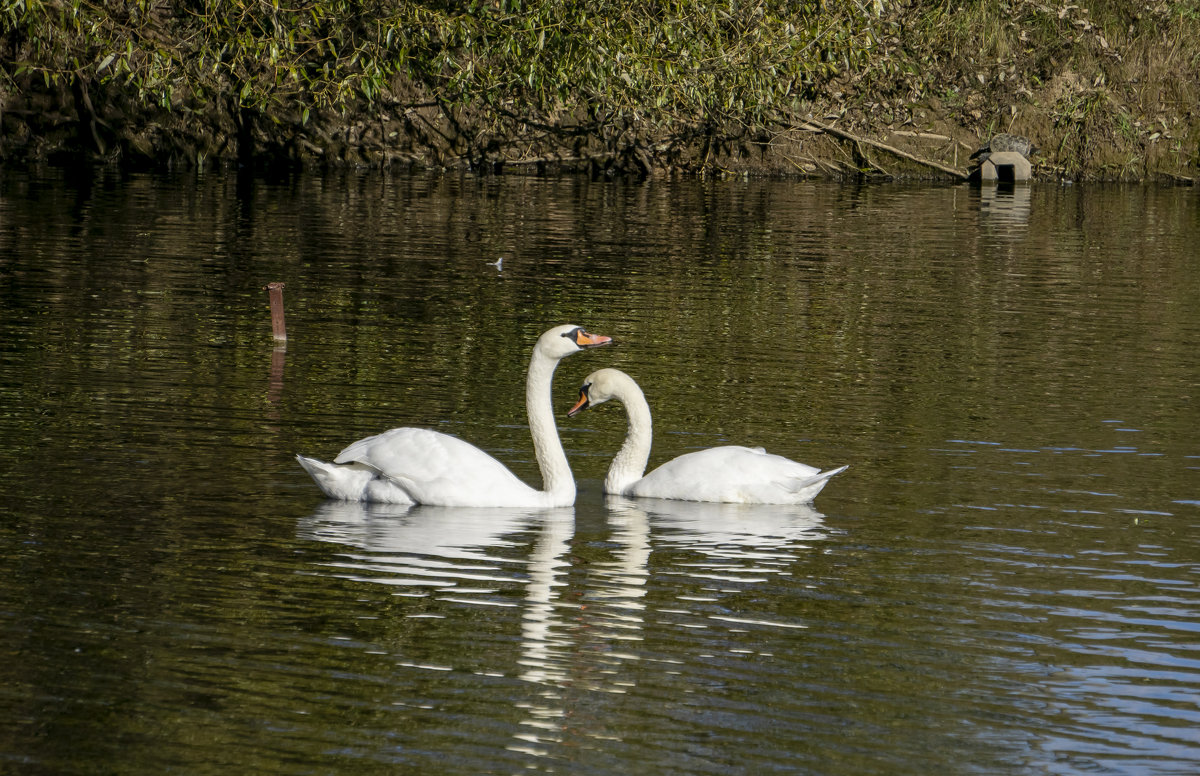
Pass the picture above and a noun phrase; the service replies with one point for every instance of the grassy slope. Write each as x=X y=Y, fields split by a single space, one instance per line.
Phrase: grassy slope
x=1108 y=90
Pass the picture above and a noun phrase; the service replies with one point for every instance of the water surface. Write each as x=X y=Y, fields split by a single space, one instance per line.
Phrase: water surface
x=1004 y=581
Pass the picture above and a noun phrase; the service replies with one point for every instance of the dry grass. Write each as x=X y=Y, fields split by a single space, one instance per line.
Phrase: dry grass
x=1106 y=88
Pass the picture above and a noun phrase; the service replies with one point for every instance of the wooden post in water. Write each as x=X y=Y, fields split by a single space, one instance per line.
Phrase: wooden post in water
x=278 y=330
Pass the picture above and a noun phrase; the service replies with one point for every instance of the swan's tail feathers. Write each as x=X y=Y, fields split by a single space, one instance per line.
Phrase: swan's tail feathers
x=346 y=483
x=807 y=489
x=327 y=476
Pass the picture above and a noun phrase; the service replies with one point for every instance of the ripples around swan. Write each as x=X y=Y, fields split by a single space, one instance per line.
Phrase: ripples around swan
x=1004 y=582
x=715 y=616
x=584 y=614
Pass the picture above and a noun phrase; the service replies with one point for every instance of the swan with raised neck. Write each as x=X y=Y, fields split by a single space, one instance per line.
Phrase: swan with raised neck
x=730 y=474
x=420 y=466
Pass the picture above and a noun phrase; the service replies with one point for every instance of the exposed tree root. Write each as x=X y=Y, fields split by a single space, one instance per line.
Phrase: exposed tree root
x=811 y=125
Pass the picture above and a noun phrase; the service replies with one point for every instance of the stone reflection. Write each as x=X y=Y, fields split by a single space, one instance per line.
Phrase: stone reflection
x=1005 y=205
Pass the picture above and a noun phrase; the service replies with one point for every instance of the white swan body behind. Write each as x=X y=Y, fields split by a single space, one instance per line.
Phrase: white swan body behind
x=730 y=474
x=420 y=466
x=385 y=468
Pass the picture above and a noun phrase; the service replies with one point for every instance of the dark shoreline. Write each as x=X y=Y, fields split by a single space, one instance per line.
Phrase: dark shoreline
x=1102 y=102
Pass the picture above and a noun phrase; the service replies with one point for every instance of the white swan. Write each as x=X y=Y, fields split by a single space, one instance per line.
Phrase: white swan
x=731 y=474
x=416 y=465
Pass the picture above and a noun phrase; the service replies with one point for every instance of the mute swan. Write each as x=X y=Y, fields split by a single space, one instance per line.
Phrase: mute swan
x=416 y=465
x=732 y=474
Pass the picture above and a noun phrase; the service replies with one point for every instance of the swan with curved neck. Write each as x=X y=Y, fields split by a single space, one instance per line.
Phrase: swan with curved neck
x=419 y=466
x=731 y=474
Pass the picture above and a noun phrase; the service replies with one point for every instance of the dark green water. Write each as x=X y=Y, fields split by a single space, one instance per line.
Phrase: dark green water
x=1005 y=581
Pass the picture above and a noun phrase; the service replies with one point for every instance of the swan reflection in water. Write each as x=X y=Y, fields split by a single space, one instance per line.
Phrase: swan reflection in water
x=454 y=551
x=730 y=531
x=421 y=546
x=450 y=548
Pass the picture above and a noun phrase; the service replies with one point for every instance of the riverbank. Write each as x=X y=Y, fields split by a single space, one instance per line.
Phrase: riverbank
x=906 y=92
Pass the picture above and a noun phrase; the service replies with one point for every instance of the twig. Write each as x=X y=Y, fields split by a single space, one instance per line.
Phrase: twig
x=559 y=160
x=920 y=135
x=815 y=126
x=871 y=162
x=814 y=164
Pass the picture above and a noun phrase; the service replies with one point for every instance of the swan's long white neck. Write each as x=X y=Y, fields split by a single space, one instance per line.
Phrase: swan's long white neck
x=629 y=464
x=558 y=484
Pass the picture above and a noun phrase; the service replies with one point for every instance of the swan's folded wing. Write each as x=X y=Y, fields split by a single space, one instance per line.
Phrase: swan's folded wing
x=419 y=455
x=729 y=474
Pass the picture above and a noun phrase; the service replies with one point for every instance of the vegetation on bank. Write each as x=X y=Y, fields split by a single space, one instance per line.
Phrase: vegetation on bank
x=1107 y=89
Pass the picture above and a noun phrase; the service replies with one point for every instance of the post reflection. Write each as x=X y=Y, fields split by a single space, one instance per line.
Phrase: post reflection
x=275 y=380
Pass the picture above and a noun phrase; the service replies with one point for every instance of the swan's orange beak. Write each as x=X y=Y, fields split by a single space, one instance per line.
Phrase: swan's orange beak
x=585 y=340
x=580 y=405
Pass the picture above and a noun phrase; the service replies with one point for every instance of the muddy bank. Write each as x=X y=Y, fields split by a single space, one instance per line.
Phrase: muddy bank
x=1103 y=101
